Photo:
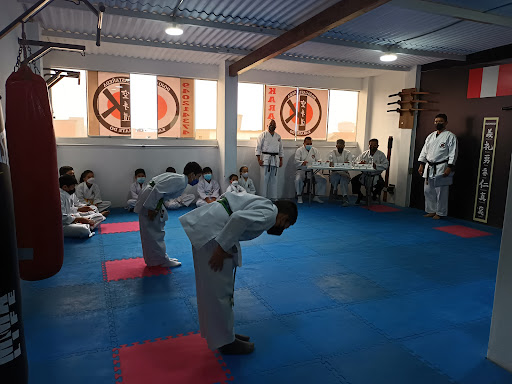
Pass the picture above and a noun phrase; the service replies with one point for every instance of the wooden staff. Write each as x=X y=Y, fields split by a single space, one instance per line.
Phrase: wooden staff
x=386 y=181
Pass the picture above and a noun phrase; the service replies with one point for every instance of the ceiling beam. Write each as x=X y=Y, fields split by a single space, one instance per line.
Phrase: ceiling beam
x=329 y=18
x=218 y=50
x=456 y=12
x=264 y=31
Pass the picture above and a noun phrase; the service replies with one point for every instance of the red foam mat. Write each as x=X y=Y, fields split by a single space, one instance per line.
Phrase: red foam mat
x=381 y=208
x=179 y=360
x=130 y=226
x=462 y=231
x=131 y=269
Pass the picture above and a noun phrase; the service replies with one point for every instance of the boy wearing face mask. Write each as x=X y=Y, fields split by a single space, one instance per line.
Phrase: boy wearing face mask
x=153 y=215
x=207 y=188
x=215 y=231
x=245 y=181
x=234 y=186
x=136 y=188
x=342 y=178
x=75 y=225
x=305 y=156
x=437 y=161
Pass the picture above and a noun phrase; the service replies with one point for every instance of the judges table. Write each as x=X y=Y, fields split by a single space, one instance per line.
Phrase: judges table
x=324 y=166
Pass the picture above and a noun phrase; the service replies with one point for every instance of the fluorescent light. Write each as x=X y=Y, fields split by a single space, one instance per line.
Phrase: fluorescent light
x=174 y=30
x=388 y=57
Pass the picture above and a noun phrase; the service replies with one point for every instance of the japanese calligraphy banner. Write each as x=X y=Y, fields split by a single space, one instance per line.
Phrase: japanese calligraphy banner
x=297 y=112
x=110 y=102
x=485 y=168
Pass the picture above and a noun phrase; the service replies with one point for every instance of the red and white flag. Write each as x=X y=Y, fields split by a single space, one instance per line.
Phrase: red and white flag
x=490 y=81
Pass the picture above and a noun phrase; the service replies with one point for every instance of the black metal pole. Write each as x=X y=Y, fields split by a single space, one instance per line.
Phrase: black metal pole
x=25 y=16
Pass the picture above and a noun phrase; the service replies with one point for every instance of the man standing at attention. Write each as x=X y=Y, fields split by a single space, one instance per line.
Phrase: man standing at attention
x=269 y=151
x=439 y=153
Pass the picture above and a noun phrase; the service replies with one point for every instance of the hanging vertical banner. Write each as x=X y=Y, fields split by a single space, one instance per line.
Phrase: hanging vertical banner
x=312 y=113
x=168 y=106
x=280 y=106
x=187 y=108
x=111 y=103
x=485 y=168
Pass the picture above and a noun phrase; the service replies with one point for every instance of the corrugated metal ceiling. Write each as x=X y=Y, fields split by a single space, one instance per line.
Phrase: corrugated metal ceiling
x=387 y=25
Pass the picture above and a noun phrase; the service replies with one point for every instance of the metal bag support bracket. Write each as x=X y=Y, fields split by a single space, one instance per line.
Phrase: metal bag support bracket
x=47 y=47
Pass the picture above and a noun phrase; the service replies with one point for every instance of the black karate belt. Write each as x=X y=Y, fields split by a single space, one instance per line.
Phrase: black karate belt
x=271 y=154
x=435 y=165
x=225 y=203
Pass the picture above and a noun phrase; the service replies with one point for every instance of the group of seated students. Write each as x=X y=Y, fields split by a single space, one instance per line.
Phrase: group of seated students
x=83 y=208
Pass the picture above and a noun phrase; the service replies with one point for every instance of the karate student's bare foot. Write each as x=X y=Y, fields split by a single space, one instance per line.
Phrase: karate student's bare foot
x=242 y=337
x=436 y=217
x=429 y=215
x=237 y=347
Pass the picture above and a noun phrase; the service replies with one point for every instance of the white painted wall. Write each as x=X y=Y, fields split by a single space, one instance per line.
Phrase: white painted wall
x=500 y=341
x=381 y=124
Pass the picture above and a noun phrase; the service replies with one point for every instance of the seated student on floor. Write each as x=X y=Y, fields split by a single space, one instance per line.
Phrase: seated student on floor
x=136 y=188
x=88 y=192
x=84 y=209
x=380 y=163
x=245 y=181
x=74 y=224
x=234 y=186
x=207 y=188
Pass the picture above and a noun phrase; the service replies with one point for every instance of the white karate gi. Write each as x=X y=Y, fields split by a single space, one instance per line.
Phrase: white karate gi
x=207 y=189
x=207 y=227
x=135 y=190
x=301 y=155
x=91 y=196
x=438 y=151
x=69 y=214
x=235 y=189
x=381 y=164
x=188 y=197
x=152 y=233
x=270 y=148
x=247 y=184
x=341 y=178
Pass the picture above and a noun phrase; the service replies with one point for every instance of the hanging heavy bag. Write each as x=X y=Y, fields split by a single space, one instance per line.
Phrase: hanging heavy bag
x=13 y=355
x=33 y=161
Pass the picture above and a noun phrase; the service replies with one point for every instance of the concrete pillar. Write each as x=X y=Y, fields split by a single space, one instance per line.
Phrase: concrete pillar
x=227 y=99
x=500 y=341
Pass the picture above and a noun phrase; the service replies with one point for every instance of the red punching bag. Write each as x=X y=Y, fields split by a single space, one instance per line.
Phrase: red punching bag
x=35 y=185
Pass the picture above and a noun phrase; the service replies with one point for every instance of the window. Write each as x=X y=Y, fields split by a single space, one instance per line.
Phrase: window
x=143 y=106
x=69 y=105
x=342 y=115
x=250 y=110
x=205 y=109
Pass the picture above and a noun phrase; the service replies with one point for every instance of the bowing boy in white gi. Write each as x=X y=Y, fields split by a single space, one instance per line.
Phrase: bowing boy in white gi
x=269 y=151
x=245 y=181
x=74 y=224
x=439 y=153
x=207 y=188
x=380 y=163
x=305 y=156
x=153 y=215
x=215 y=231
x=88 y=192
x=136 y=188
x=342 y=178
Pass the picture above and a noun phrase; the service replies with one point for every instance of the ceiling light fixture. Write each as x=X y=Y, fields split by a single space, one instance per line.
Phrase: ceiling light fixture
x=388 y=57
x=174 y=30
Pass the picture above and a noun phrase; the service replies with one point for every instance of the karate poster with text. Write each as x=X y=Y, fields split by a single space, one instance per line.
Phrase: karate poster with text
x=304 y=114
x=175 y=107
x=109 y=99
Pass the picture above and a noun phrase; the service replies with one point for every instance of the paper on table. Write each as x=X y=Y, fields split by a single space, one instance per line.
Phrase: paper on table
x=441 y=181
